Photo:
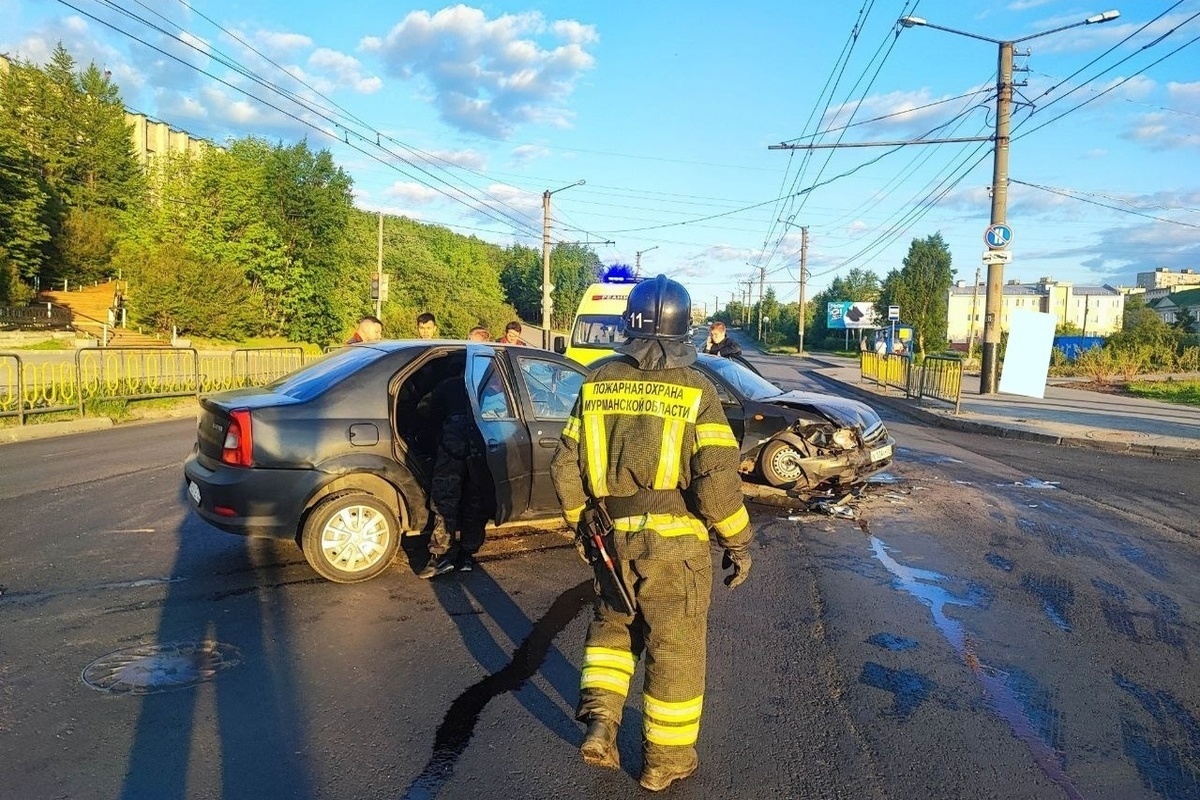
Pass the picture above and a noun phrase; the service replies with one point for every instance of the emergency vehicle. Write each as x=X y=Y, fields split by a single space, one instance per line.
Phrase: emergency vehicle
x=598 y=329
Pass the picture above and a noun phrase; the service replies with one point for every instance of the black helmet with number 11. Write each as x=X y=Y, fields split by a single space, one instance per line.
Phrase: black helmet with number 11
x=659 y=308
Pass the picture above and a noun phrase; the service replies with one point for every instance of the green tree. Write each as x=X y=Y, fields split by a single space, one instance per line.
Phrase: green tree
x=1185 y=320
x=921 y=289
x=23 y=230
x=856 y=286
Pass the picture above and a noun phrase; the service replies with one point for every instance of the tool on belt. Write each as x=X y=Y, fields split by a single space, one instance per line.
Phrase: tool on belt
x=595 y=534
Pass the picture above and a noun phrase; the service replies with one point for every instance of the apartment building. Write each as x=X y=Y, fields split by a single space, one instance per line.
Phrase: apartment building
x=1164 y=278
x=1096 y=310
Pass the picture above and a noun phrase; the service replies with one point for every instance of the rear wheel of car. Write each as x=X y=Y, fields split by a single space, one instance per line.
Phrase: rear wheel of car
x=350 y=537
x=781 y=465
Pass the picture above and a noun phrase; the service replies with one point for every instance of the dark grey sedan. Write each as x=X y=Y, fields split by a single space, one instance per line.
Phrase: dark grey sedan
x=338 y=455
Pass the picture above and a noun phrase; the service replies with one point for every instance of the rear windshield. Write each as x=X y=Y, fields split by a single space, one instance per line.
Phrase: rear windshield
x=603 y=331
x=746 y=382
x=314 y=378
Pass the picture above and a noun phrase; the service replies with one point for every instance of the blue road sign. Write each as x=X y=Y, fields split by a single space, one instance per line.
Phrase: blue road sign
x=998 y=236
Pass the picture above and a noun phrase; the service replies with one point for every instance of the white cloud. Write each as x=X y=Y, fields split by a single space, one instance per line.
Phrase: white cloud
x=915 y=111
x=282 y=43
x=525 y=154
x=489 y=75
x=343 y=70
x=412 y=193
x=467 y=159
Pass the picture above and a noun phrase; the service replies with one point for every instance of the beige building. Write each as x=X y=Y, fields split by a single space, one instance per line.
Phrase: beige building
x=1163 y=278
x=152 y=138
x=1095 y=310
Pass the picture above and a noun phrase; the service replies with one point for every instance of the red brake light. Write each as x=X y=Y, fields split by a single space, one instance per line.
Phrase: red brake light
x=239 y=442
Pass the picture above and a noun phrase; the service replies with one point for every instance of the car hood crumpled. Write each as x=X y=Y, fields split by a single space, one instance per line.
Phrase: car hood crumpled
x=843 y=411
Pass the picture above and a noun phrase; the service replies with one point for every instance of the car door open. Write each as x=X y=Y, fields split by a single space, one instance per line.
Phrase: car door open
x=506 y=439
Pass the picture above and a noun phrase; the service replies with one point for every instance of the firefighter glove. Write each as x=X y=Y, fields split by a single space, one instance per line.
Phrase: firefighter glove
x=740 y=561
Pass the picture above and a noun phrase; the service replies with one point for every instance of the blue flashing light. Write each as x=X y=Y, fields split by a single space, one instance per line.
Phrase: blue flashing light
x=618 y=273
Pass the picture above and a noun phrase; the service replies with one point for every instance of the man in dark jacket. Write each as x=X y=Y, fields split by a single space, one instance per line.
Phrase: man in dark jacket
x=719 y=344
x=648 y=442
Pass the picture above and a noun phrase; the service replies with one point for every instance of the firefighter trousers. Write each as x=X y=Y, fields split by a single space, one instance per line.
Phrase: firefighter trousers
x=668 y=631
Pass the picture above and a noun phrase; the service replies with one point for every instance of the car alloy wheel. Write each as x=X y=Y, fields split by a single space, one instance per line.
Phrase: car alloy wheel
x=781 y=465
x=350 y=537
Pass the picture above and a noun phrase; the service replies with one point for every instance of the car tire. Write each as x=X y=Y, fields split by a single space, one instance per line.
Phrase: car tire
x=780 y=464
x=350 y=537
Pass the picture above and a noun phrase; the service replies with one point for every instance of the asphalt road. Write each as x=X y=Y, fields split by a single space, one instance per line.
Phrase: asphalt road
x=1002 y=621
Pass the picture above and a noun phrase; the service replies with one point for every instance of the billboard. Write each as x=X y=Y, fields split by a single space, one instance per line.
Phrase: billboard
x=844 y=314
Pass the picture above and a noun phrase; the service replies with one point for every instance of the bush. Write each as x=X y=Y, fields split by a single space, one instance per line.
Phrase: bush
x=1188 y=360
x=1130 y=361
x=1097 y=363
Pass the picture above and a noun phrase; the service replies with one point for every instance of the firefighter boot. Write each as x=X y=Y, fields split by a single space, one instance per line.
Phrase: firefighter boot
x=599 y=746
x=658 y=778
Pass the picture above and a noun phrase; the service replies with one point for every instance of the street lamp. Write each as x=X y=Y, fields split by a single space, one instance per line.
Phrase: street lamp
x=995 y=269
x=637 y=270
x=547 y=287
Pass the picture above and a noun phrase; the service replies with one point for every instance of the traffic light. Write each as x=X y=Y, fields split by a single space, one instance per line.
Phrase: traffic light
x=374 y=285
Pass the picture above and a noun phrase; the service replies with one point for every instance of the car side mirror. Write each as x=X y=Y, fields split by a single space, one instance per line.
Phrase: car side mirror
x=560 y=344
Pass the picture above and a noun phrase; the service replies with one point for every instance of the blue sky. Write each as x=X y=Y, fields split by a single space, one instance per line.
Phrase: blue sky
x=667 y=110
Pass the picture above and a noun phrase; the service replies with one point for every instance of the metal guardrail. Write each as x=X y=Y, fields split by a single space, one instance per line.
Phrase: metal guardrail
x=941 y=379
x=133 y=373
x=937 y=378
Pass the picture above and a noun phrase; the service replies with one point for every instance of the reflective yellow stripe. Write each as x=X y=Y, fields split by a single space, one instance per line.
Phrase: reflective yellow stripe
x=597 y=454
x=683 y=711
x=667 y=476
x=573 y=515
x=620 y=660
x=649 y=398
x=671 y=735
x=571 y=430
x=663 y=524
x=608 y=669
x=715 y=434
x=734 y=523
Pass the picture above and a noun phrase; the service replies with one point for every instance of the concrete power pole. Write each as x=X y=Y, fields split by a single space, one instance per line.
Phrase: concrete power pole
x=803 y=277
x=379 y=272
x=762 y=280
x=547 y=287
x=993 y=300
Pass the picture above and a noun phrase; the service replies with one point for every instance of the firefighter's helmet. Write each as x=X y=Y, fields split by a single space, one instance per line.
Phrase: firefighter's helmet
x=659 y=308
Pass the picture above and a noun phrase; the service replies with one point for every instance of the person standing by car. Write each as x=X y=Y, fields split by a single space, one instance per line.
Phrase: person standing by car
x=460 y=487
x=648 y=441
x=369 y=329
x=512 y=334
x=719 y=344
x=478 y=334
x=427 y=327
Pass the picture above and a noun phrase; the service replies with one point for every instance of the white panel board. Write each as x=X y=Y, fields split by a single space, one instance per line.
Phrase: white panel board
x=1027 y=356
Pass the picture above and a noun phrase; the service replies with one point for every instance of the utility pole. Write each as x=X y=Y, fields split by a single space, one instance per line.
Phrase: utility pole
x=762 y=280
x=974 y=314
x=803 y=277
x=746 y=307
x=547 y=287
x=994 y=299
x=379 y=271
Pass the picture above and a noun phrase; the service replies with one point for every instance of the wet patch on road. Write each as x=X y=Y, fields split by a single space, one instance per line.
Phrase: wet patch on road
x=1167 y=754
x=1014 y=696
x=1056 y=594
x=890 y=641
x=923 y=457
x=458 y=726
x=1063 y=540
x=999 y=562
x=160 y=667
x=910 y=689
x=1150 y=564
x=1164 y=621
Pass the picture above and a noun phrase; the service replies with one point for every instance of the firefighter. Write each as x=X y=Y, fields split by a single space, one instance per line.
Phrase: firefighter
x=648 y=439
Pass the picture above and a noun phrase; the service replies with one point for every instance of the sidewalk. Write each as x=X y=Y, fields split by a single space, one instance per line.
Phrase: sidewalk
x=1065 y=416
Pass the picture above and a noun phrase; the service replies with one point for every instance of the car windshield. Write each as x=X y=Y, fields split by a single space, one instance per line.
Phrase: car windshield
x=606 y=331
x=310 y=380
x=748 y=384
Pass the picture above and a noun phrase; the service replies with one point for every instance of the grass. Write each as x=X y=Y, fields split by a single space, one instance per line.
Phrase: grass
x=46 y=344
x=222 y=344
x=1186 y=392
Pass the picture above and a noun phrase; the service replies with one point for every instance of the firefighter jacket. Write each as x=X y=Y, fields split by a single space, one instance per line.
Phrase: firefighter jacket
x=655 y=445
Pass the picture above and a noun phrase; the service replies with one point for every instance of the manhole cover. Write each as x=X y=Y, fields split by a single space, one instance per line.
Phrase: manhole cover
x=160 y=667
x=1117 y=436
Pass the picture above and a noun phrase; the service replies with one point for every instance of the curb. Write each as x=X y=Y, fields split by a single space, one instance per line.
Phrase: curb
x=987 y=429
x=47 y=430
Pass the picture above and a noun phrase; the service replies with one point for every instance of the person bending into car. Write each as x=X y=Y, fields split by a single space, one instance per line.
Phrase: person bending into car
x=460 y=488
x=719 y=344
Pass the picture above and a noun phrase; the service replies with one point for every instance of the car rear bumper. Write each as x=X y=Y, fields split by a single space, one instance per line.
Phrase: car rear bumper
x=278 y=497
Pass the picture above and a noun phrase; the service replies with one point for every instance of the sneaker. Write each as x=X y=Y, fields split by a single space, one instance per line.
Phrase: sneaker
x=658 y=778
x=437 y=566
x=467 y=563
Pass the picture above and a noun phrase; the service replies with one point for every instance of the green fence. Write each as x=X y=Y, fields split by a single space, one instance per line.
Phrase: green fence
x=133 y=373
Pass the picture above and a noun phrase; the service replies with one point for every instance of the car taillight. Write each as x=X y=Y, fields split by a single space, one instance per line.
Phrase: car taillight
x=239 y=441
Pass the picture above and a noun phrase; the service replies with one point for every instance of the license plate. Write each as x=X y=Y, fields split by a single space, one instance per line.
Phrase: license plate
x=194 y=492
x=878 y=454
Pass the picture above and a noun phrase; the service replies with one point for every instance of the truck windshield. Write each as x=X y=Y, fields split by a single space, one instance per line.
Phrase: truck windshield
x=601 y=331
